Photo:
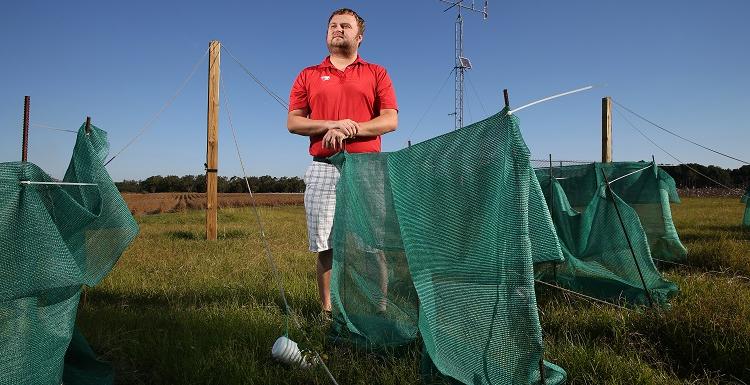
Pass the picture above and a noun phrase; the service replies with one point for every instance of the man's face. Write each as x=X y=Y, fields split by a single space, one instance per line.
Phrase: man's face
x=343 y=34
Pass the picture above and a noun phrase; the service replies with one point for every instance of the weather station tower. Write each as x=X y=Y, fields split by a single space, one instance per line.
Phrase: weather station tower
x=462 y=63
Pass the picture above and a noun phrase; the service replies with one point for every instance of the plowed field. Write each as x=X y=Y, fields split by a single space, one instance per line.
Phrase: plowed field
x=155 y=203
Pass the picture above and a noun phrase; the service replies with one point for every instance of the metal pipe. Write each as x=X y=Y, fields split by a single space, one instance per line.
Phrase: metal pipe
x=25 y=140
x=551 y=210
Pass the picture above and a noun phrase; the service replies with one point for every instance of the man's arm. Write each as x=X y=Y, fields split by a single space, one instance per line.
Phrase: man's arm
x=298 y=123
x=382 y=124
x=386 y=122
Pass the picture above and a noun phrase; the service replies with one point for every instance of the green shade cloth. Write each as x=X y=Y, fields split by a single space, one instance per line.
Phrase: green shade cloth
x=746 y=199
x=643 y=186
x=598 y=258
x=438 y=240
x=53 y=240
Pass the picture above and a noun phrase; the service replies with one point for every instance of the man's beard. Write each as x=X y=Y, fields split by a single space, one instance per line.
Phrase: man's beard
x=342 y=46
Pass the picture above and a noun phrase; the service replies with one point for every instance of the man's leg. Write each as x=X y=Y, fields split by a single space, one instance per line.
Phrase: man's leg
x=383 y=280
x=320 y=207
x=324 y=265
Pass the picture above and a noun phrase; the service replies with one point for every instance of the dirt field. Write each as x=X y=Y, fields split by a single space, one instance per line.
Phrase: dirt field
x=142 y=204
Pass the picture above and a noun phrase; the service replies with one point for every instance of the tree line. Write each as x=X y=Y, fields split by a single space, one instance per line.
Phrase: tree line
x=197 y=183
x=685 y=177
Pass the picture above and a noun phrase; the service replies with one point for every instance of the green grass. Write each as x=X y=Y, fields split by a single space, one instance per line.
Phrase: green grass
x=179 y=310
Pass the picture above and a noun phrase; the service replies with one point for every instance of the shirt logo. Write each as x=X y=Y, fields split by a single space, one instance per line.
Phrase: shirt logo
x=325 y=77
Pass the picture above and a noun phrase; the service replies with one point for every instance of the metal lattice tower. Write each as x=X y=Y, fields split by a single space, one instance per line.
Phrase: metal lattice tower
x=462 y=63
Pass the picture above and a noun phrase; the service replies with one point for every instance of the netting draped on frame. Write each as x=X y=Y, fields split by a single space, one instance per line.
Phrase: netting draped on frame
x=598 y=259
x=746 y=199
x=439 y=239
x=53 y=240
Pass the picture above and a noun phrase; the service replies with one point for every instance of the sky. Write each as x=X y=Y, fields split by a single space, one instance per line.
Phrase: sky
x=681 y=64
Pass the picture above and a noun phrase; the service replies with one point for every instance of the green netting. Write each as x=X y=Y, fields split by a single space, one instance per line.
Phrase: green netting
x=746 y=199
x=644 y=186
x=598 y=258
x=372 y=286
x=53 y=240
x=437 y=240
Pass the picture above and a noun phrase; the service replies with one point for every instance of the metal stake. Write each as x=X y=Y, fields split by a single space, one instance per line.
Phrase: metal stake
x=551 y=209
x=25 y=140
x=627 y=237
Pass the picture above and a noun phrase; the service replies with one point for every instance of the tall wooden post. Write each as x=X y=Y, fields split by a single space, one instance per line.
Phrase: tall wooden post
x=212 y=140
x=25 y=140
x=606 y=129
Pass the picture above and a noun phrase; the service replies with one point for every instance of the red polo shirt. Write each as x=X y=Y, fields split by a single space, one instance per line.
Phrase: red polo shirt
x=358 y=93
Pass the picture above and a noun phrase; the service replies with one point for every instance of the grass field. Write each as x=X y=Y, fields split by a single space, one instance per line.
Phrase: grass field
x=179 y=310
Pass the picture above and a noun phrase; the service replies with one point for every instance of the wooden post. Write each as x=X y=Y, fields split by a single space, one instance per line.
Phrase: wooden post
x=212 y=140
x=25 y=140
x=507 y=98
x=606 y=130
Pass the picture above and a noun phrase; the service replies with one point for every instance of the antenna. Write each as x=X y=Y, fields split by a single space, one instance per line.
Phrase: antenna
x=462 y=63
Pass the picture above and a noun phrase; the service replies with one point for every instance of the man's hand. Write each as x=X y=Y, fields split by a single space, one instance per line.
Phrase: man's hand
x=334 y=138
x=348 y=126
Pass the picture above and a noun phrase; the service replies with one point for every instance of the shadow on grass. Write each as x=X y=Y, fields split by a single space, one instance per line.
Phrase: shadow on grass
x=223 y=345
x=241 y=296
x=193 y=236
x=184 y=235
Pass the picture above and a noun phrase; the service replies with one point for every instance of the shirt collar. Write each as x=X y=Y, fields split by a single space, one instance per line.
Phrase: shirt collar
x=327 y=61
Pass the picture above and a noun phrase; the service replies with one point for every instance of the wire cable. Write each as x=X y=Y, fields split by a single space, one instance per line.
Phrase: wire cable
x=584 y=296
x=53 y=128
x=476 y=94
x=432 y=103
x=678 y=135
x=264 y=238
x=667 y=152
x=725 y=273
x=163 y=108
x=276 y=97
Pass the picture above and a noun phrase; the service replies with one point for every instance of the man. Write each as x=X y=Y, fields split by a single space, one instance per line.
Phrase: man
x=342 y=104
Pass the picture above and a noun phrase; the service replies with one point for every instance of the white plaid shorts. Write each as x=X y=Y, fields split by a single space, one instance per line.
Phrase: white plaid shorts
x=320 y=204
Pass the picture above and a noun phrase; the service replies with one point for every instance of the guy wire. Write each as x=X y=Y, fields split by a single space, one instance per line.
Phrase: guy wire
x=255 y=78
x=678 y=135
x=266 y=245
x=429 y=107
x=667 y=152
x=584 y=296
x=163 y=108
